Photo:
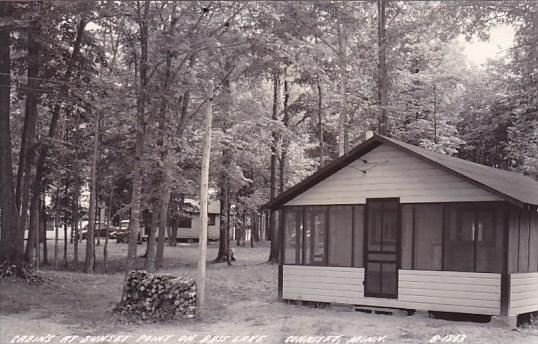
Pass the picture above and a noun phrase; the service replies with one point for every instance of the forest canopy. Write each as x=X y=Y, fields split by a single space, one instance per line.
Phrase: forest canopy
x=105 y=101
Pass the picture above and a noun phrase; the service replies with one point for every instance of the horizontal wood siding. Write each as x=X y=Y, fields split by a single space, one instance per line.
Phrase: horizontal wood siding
x=465 y=292
x=445 y=291
x=391 y=173
x=523 y=293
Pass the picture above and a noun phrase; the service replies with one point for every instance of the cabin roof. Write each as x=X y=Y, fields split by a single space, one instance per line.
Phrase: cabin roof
x=514 y=187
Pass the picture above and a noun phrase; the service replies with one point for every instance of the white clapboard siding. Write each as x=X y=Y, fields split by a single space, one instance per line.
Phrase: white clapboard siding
x=391 y=172
x=446 y=291
x=523 y=293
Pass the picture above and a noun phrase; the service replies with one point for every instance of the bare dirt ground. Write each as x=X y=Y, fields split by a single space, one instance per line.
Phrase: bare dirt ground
x=242 y=301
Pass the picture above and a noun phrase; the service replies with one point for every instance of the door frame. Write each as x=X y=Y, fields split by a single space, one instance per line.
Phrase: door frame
x=398 y=252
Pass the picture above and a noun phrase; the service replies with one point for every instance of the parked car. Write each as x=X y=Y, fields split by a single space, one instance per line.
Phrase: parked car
x=122 y=236
x=122 y=233
x=100 y=231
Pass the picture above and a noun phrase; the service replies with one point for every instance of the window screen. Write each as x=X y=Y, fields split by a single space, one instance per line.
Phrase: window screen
x=292 y=235
x=513 y=241
x=315 y=240
x=489 y=239
x=523 y=261
x=533 y=244
x=459 y=245
x=358 y=236
x=407 y=236
x=428 y=237
x=340 y=238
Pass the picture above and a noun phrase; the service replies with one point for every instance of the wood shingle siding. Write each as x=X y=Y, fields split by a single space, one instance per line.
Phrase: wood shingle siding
x=447 y=291
x=391 y=172
x=523 y=293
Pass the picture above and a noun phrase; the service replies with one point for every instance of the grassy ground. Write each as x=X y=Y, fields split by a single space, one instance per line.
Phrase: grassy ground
x=241 y=299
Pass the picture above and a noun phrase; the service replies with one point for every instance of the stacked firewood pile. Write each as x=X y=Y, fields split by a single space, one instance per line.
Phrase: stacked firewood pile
x=26 y=272
x=158 y=297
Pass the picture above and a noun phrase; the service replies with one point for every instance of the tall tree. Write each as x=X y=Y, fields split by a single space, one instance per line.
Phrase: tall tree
x=134 y=223
x=382 y=78
x=11 y=245
x=273 y=255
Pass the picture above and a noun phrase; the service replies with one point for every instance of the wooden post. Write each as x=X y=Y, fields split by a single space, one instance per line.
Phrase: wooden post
x=204 y=186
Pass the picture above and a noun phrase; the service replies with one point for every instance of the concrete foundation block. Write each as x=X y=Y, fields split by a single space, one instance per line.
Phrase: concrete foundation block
x=504 y=321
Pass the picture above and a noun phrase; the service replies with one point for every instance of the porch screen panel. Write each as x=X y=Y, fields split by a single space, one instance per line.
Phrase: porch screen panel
x=358 y=236
x=340 y=235
x=523 y=260
x=293 y=235
x=428 y=237
x=315 y=240
x=533 y=244
x=489 y=239
x=407 y=236
x=459 y=244
x=513 y=241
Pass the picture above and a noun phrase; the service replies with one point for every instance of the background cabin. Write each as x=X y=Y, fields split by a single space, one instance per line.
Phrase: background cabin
x=190 y=224
x=393 y=225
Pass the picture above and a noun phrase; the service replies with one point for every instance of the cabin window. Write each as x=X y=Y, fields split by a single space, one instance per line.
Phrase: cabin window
x=340 y=235
x=358 y=236
x=184 y=222
x=315 y=235
x=428 y=235
x=293 y=227
x=211 y=219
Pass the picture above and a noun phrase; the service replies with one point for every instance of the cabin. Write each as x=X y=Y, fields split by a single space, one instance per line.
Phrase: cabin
x=190 y=224
x=393 y=225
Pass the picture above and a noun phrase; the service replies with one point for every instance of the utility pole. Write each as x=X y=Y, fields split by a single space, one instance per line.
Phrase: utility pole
x=204 y=188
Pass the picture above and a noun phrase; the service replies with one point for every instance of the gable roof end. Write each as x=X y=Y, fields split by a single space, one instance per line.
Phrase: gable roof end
x=513 y=187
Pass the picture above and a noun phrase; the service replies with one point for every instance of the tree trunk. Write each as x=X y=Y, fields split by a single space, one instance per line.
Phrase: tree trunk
x=11 y=248
x=342 y=122
x=65 y=224
x=285 y=142
x=107 y=232
x=90 y=235
x=37 y=239
x=27 y=151
x=56 y=229
x=172 y=239
x=382 y=90
x=43 y=219
x=75 y=223
x=223 y=253
x=320 y=126
x=164 y=197
x=435 y=133
x=134 y=223
x=151 y=244
x=273 y=230
x=204 y=188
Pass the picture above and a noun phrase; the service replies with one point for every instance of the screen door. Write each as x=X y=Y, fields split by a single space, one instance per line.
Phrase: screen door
x=382 y=248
